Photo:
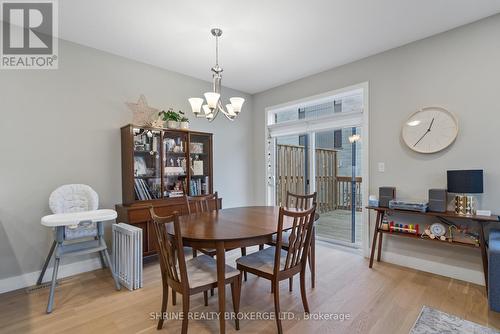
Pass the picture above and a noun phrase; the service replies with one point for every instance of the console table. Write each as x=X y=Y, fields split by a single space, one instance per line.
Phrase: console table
x=480 y=220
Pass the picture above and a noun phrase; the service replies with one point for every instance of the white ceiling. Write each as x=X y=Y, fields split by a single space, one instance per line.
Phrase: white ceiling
x=266 y=43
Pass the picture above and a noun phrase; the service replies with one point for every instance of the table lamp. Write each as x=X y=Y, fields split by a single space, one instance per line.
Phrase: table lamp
x=464 y=183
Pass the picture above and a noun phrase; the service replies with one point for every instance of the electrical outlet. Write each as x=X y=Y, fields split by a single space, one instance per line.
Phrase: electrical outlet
x=381 y=167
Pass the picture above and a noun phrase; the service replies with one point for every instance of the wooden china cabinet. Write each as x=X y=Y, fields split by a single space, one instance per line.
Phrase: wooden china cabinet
x=159 y=166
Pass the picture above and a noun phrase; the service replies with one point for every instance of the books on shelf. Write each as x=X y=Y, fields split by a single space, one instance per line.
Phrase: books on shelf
x=175 y=193
x=199 y=186
x=143 y=191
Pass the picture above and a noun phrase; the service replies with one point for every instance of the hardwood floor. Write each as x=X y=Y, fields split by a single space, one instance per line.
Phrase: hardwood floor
x=385 y=299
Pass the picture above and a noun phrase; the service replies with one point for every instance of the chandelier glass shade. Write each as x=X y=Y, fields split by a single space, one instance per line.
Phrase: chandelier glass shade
x=211 y=105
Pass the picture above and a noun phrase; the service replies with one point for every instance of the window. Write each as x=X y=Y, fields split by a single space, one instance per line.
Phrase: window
x=351 y=101
x=337 y=106
x=337 y=139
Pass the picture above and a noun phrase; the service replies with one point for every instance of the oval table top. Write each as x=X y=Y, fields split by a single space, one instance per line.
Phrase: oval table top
x=232 y=224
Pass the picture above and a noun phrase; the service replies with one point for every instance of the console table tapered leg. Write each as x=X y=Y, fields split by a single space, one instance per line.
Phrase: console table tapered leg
x=484 y=255
x=380 y=235
x=374 y=240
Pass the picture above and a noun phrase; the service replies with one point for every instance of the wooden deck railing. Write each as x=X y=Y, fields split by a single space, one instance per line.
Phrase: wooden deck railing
x=326 y=173
x=344 y=191
x=334 y=192
x=290 y=171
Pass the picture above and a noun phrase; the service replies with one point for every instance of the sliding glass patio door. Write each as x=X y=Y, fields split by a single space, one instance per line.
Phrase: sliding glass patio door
x=319 y=147
x=338 y=184
x=328 y=163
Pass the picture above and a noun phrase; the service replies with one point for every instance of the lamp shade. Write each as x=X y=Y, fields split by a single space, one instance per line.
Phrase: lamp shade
x=465 y=181
x=196 y=103
x=206 y=110
x=230 y=111
x=212 y=99
x=237 y=103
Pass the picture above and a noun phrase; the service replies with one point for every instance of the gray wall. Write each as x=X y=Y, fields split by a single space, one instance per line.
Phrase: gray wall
x=458 y=70
x=62 y=126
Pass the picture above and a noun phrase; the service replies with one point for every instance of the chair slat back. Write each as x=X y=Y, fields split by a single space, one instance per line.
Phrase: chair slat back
x=299 y=237
x=203 y=203
x=296 y=201
x=172 y=260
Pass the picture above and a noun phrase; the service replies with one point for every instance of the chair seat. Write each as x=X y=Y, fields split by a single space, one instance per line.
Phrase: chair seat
x=263 y=260
x=202 y=270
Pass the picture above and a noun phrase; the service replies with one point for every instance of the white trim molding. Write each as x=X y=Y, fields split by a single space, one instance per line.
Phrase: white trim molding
x=308 y=126
x=65 y=270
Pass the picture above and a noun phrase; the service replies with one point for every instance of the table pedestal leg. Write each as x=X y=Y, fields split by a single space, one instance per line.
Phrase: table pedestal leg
x=221 y=286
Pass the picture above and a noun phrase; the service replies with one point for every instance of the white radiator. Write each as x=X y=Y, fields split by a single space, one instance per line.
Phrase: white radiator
x=127 y=255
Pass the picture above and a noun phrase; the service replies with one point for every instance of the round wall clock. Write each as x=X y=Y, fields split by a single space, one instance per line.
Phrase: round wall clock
x=430 y=130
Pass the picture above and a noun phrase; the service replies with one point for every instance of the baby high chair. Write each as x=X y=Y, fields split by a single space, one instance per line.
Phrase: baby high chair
x=78 y=229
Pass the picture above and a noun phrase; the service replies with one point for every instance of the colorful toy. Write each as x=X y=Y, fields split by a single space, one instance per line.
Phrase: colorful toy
x=407 y=228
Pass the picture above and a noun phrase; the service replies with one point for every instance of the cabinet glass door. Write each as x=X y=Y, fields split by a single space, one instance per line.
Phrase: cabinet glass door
x=175 y=163
x=199 y=153
x=147 y=172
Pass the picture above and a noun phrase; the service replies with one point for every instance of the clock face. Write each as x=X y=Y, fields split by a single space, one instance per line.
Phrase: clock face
x=430 y=130
x=438 y=229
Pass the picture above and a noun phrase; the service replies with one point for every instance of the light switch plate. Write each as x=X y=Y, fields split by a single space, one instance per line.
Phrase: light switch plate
x=381 y=167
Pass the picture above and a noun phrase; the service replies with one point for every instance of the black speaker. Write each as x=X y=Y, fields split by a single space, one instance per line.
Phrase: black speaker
x=385 y=195
x=438 y=200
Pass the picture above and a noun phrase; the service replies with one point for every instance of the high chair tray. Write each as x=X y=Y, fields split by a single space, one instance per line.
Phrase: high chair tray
x=68 y=219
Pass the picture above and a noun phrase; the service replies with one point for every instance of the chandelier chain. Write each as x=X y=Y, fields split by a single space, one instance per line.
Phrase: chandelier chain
x=216 y=51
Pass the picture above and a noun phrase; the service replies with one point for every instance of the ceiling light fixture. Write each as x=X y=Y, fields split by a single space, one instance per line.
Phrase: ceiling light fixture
x=213 y=104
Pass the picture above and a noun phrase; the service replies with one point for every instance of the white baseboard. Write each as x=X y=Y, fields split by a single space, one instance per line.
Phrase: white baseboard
x=65 y=270
x=443 y=269
x=70 y=269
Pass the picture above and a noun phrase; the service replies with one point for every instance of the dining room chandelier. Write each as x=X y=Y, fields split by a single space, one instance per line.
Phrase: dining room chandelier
x=213 y=99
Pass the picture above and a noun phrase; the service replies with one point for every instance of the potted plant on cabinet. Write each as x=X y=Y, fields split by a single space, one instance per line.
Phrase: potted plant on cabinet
x=184 y=121
x=171 y=117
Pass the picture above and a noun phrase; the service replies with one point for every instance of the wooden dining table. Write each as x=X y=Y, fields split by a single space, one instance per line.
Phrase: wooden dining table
x=230 y=229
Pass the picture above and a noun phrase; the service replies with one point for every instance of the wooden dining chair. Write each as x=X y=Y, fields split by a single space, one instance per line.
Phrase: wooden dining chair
x=199 y=204
x=206 y=203
x=301 y=202
x=188 y=277
x=276 y=264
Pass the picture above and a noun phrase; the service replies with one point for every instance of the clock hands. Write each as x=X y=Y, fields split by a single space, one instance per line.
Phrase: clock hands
x=425 y=134
x=430 y=125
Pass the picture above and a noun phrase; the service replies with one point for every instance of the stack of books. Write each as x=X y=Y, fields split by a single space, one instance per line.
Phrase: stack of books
x=199 y=187
x=175 y=193
x=142 y=190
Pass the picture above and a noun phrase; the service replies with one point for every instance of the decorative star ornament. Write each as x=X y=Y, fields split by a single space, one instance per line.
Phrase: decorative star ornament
x=142 y=113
